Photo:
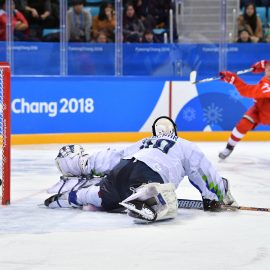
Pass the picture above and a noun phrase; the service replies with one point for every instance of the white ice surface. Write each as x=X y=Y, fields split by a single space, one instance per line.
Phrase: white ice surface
x=35 y=238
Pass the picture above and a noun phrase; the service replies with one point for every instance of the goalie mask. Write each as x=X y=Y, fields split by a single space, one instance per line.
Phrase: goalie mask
x=164 y=126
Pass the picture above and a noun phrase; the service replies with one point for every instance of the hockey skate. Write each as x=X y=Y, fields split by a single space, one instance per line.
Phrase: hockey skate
x=140 y=210
x=152 y=202
x=226 y=152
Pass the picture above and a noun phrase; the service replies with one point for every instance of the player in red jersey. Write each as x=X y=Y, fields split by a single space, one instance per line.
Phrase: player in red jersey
x=259 y=113
x=19 y=22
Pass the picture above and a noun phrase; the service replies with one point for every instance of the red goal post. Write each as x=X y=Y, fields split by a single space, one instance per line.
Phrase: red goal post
x=5 y=133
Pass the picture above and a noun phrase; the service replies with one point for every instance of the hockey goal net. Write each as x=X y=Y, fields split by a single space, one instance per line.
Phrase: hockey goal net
x=5 y=133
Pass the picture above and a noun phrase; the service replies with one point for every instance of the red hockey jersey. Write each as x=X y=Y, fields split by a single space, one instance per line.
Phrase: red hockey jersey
x=261 y=94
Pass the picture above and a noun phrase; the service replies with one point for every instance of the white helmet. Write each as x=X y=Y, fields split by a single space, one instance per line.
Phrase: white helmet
x=164 y=125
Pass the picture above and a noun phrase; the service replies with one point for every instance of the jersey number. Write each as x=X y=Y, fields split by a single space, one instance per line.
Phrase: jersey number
x=161 y=144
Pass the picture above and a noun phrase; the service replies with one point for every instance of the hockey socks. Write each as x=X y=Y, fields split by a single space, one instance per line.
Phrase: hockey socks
x=243 y=126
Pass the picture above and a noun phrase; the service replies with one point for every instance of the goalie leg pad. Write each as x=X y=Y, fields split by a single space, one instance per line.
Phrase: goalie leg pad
x=153 y=201
x=70 y=183
x=67 y=189
x=58 y=201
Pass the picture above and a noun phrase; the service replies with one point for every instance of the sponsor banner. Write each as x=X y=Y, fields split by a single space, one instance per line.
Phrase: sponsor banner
x=81 y=104
x=51 y=105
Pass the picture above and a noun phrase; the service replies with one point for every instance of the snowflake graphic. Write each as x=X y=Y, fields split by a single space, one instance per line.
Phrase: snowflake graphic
x=234 y=95
x=212 y=114
x=189 y=114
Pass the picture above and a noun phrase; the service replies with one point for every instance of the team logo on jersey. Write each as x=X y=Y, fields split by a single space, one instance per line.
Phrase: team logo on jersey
x=266 y=88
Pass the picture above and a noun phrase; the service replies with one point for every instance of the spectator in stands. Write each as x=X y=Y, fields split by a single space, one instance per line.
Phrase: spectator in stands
x=55 y=12
x=39 y=15
x=20 y=5
x=19 y=23
x=153 y=13
x=258 y=3
x=79 y=22
x=250 y=21
x=141 y=8
x=244 y=36
x=101 y=37
x=267 y=37
x=160 y=11
x=133 y=27
x=149 y=37
x=104 y=21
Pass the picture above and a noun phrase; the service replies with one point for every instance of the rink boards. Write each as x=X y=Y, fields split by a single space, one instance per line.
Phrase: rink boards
x=85 y=109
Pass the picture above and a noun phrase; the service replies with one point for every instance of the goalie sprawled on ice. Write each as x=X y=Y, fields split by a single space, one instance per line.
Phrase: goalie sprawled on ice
x=142 y=177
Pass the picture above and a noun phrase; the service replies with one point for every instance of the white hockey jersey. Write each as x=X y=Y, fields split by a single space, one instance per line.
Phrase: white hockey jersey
x=170 y=156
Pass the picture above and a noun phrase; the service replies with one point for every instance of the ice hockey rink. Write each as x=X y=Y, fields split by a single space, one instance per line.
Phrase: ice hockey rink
x=33 y=237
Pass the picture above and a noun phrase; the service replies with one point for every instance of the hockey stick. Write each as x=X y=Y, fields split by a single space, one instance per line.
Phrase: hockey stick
x=198 y=204
x=193 y=75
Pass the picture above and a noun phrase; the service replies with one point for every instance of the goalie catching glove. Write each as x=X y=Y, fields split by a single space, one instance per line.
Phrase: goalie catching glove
x=72 y=161
x=152 y=202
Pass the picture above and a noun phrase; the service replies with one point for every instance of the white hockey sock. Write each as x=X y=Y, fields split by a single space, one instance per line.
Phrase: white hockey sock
x=236 y=136
x=89 y=196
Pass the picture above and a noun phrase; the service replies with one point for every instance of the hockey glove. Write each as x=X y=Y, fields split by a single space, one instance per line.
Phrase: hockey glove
x=211 y=205
x=259 y=67
x=228 y=77
x=72 y=161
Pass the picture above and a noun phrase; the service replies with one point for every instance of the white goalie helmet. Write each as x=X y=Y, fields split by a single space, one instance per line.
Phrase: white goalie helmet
x=164 y=125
